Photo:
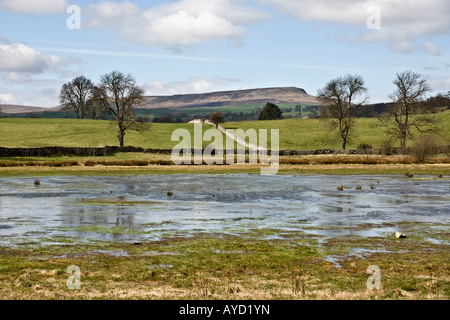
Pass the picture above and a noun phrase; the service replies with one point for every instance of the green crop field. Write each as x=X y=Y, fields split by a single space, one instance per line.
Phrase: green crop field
x=294 y=134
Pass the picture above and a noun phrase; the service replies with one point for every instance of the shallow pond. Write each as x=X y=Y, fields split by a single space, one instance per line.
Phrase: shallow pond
x=152 y=207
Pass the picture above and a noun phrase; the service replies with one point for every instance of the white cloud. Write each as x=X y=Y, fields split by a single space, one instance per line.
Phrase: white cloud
x=21 y=58
x=431 y=48
x=182 y=28
x=47 y=97
x=23 y=70
x=41 y=93
x=402 y=22
x=402 y=46
x=16 y=77
x=192 y=85
x=7 y=98
x=182 y=23
x=227 y=9
x=35 y=7
x=188 y=86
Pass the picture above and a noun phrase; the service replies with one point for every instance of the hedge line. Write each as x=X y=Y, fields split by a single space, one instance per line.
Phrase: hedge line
x=108 y=150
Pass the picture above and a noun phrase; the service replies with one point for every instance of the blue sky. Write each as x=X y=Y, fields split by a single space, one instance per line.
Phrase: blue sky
x=195 y=46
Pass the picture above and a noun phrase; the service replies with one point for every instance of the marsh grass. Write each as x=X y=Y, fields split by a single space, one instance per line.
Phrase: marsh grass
x=113 y=230
x=298 y=285
x=348 y=169
x=133 y=160
x=228 y=267
x=203 y=285
x=67 y=163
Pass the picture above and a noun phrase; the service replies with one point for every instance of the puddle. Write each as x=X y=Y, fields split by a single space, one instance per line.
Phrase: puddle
x=138 y=209
x=159 y=266
x=111 y=253
x=335 y=261
x=156 y=253
x=437 y=241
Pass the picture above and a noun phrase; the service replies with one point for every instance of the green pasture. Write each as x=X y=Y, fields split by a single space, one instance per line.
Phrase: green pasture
x=294 y=134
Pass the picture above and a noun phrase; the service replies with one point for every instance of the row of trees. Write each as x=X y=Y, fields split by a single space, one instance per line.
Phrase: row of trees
x=344 y=96
x=116 y=95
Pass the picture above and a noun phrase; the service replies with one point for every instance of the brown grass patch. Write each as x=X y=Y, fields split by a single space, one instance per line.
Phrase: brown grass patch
x=350 y=160
x=166 y=161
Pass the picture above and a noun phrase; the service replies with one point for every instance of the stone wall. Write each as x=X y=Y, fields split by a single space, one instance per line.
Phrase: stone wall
x=108 y=150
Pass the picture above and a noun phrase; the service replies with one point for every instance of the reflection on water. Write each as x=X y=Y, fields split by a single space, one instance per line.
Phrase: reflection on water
x=137 y=208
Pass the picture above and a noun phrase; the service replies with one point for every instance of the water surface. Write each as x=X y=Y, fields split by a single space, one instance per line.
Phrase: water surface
x=151 y=207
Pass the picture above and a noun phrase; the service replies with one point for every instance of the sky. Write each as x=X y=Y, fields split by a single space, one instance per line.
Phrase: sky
x=198 y=46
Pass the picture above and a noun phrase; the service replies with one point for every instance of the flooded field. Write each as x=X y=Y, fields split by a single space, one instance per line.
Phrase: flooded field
x=233 y=236
x=153 y=207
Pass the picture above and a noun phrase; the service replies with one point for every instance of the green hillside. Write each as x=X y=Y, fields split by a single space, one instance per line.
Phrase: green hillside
x=295 y=134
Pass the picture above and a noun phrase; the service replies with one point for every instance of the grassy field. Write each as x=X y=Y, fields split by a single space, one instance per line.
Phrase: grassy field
x=295 y=134
x=80 y=133
x=310 y=134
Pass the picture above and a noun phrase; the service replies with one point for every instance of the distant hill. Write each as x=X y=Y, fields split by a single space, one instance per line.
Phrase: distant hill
x=232 y=98
x=16 y=109
x=213 y=99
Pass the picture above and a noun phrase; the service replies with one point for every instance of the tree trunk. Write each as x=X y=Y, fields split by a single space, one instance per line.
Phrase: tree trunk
x=120 y=137
x=344 y=142
x=403 y=142
x=344 y=136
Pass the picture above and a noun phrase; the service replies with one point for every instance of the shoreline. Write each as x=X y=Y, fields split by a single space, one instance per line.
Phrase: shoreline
x=330 y=169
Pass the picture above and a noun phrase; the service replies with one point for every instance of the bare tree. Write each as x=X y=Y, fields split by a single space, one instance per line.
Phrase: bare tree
x=95 y=109
x=76 y=95
x=411 y=89
x=118 y=94
x=340 y=98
